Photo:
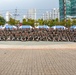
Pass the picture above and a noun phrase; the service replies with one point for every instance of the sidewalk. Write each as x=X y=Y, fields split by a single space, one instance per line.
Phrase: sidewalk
x=37 y=45
x=30 y=61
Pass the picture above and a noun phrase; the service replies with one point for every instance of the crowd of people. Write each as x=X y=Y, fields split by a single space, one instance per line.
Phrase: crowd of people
x=35 y=34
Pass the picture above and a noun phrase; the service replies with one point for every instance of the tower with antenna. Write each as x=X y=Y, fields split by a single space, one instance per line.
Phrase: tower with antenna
x=16 y=14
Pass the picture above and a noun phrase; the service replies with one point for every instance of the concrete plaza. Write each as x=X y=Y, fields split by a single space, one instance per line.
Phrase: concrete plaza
x=37 y=58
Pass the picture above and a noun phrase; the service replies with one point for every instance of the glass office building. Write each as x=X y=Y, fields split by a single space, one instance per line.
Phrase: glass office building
x=67 y=9
x=73 y=7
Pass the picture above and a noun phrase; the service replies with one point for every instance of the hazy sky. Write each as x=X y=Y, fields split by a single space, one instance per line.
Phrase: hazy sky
x=27 y=4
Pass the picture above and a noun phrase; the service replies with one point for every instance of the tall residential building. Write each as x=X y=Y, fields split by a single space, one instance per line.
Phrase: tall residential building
x=46 y=15
x=67 y=9
x=55 y=13
x=43 y=16
x=8 y=16
x=31 y=14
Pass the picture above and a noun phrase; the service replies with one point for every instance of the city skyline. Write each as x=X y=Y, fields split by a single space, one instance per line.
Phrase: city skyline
x=33 y=14
x=23 y=6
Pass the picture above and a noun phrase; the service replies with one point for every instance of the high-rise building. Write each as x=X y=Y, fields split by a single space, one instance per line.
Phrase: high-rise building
x=46 y=15
x=73 y=8
x=67 y=9
x=31 y=14
x=8 y=16
x=55 y=13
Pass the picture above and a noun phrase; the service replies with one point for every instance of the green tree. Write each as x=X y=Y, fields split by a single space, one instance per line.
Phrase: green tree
x=56 y=20
x=63 y=22
x=17 y=22
x=31 y=22
x=68 y=23
x=2 y=21
x=50 y=23
x=41 y=22
x=28 y=22
x=13 y=21
x=74 y=22
x=24 y=22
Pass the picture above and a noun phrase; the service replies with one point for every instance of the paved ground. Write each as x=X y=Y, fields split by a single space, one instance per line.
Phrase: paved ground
x=37 y=58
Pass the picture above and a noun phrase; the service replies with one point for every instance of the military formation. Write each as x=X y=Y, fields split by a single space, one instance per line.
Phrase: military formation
x=35 y=34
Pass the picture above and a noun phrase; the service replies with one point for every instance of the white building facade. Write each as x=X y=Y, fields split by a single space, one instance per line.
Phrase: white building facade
x=55 y=13
x=46 y=15
x=8 y=16
x=31 y=14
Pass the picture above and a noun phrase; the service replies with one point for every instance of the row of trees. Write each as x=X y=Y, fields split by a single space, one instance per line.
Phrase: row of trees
x=50 y=22
x=33 y=23
x=11 y=21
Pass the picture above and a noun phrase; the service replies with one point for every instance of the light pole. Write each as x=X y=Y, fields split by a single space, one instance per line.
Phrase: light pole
x=15 y=15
